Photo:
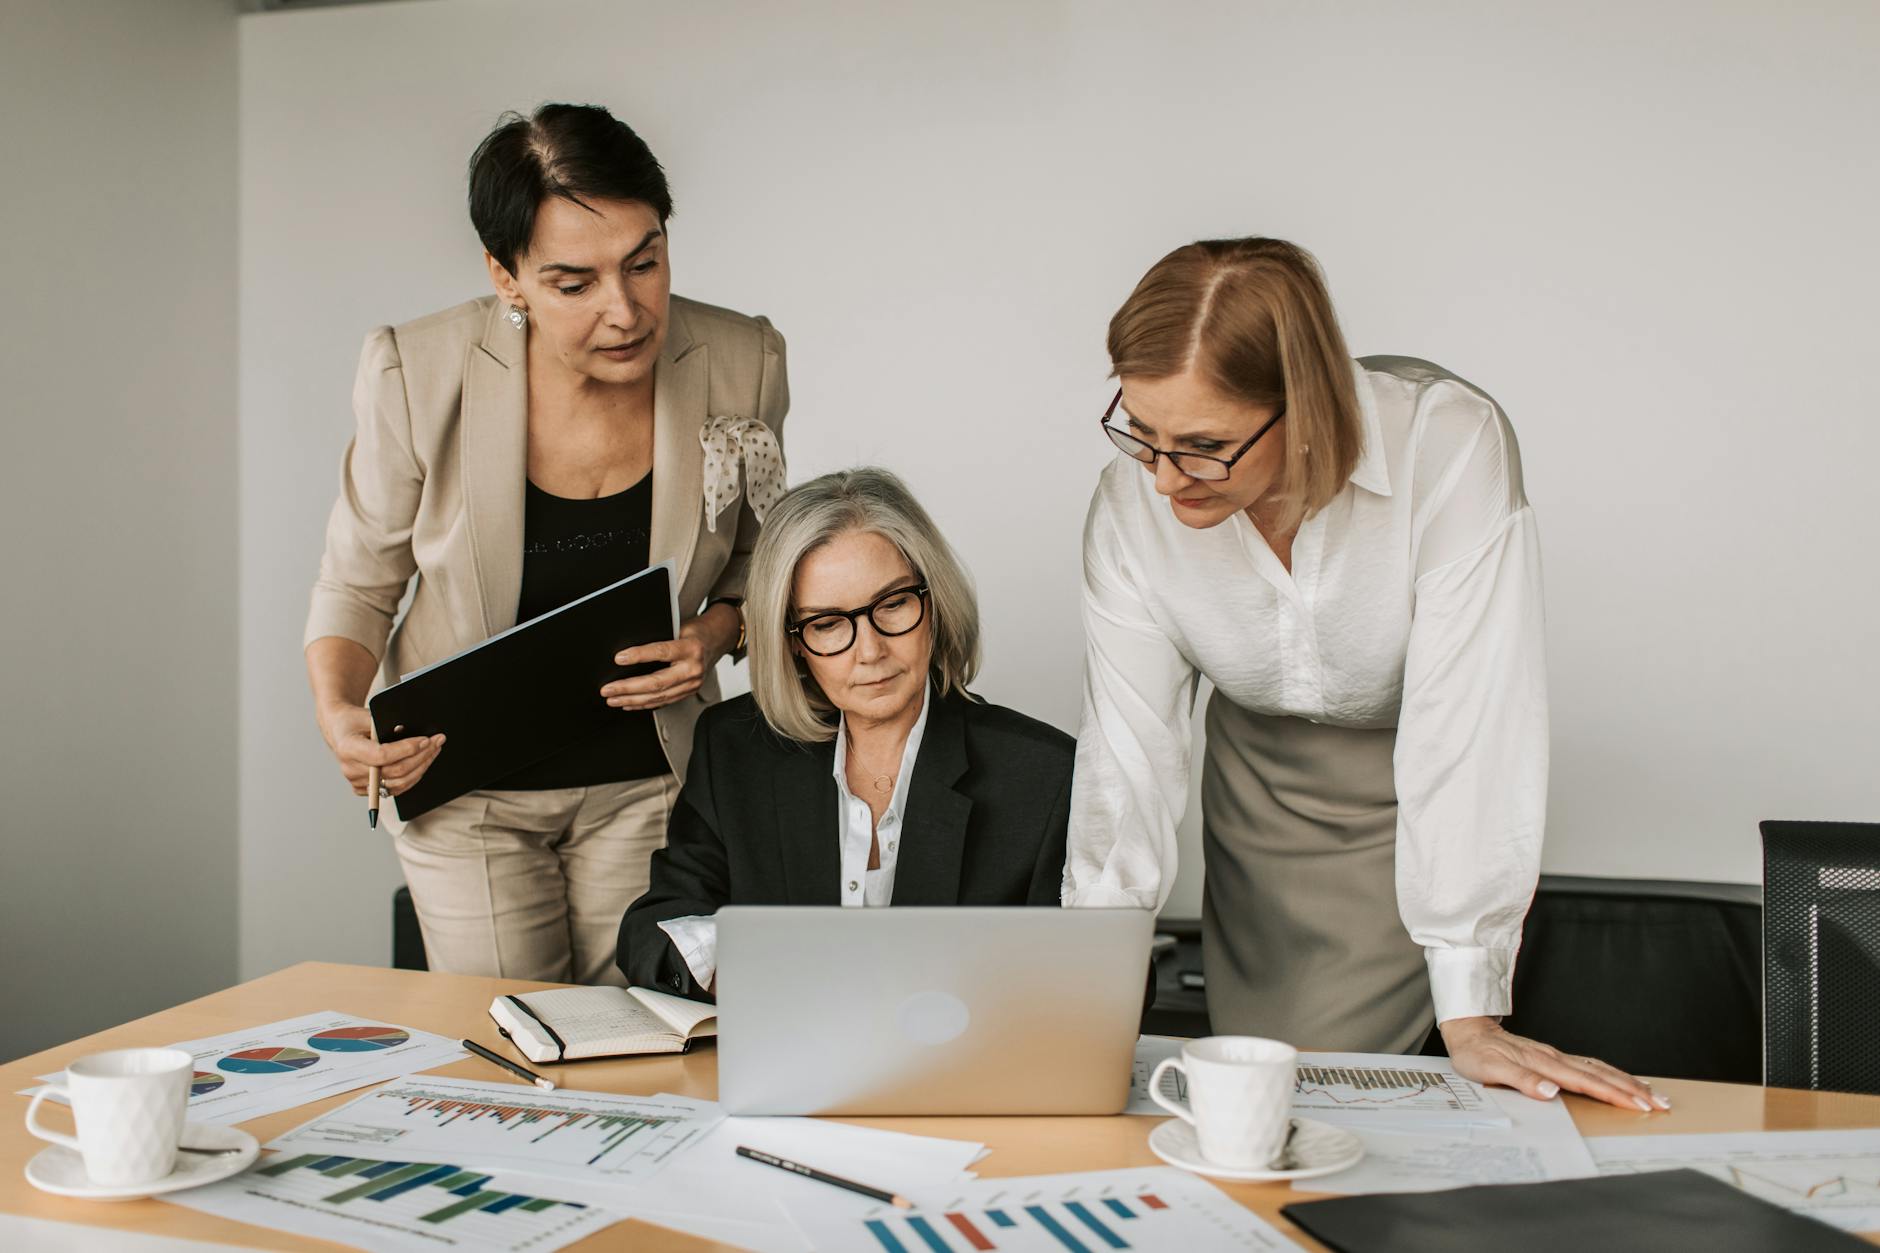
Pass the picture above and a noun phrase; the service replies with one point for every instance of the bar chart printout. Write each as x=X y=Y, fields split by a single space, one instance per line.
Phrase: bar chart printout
x=595 y=1137
x=1151 y=1209
x=1380 y=1091
x=396 y=1205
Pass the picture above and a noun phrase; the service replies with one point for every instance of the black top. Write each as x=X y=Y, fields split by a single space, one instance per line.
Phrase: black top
x=757 y=824
x=571 y=548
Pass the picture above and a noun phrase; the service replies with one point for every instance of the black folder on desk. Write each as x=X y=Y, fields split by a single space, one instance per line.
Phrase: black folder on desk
x=1658 y=1210
x=527 y=692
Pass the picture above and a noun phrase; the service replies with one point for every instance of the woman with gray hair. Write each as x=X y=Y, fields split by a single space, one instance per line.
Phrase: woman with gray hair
x=859 y=771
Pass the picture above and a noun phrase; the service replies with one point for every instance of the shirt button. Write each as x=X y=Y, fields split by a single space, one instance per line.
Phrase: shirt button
x=852 y=885
x=890 y=846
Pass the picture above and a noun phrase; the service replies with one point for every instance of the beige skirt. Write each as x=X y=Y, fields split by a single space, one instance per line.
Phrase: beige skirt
x=1301 y=936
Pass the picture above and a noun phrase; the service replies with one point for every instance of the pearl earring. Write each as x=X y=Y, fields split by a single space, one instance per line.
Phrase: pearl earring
x=518 y=317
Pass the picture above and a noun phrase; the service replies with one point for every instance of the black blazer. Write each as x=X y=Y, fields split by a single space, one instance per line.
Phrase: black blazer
x=756 y=824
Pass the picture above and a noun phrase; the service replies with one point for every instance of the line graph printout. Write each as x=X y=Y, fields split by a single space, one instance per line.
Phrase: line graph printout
x=595 y=1137
x=1144 y=1208
x=1833 y=1176
x=1384 y=1090
x=395 y=1206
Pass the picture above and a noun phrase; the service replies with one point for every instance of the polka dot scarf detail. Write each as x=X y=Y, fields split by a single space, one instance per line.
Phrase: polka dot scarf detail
x=728 y=441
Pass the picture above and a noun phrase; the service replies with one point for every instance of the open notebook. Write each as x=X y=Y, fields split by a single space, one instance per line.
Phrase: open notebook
x=567 y=1024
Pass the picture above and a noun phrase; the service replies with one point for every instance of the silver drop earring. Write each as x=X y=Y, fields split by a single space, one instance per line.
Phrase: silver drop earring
x=518 y=316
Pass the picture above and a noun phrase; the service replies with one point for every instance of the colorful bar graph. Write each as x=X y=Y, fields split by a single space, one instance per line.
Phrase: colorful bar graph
x=1152 y=1201
x=387 y=1181
x=924 y=1229
x=1001 y=1218
x=1043 y=1218
x=1118 y=1208
x=1082 y=1214
x=965 y=1227
x=880 y=1231
x=615 y=1129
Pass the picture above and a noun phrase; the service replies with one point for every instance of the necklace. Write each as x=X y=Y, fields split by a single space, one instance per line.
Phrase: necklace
x=884 y=783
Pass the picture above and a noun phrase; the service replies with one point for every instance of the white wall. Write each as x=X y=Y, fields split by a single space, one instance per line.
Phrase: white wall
x=1645 y=228
x=117 y=512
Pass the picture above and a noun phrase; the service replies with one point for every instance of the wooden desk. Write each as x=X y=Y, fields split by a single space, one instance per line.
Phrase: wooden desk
x=457 y=1006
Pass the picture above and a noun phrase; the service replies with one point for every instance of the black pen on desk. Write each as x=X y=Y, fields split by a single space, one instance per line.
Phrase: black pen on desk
x=810 y=1172
x=520 y=1072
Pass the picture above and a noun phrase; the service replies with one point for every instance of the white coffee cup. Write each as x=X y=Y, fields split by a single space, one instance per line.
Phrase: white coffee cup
x=128 y=1105
x=1240 y=1091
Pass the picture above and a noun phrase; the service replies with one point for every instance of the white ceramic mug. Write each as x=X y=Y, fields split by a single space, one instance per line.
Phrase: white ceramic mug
x=128 y=1105
x=1240 y=1090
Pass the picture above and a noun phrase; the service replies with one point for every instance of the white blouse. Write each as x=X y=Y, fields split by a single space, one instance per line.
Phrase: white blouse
x=1414 y=601
x=696 y=935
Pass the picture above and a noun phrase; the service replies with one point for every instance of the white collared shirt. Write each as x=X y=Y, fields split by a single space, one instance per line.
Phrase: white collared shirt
x=696 y=936
x=1414 y=601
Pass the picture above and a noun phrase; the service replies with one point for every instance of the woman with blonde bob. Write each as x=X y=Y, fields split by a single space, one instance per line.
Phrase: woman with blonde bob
x=859 y=771
x=1345 y=551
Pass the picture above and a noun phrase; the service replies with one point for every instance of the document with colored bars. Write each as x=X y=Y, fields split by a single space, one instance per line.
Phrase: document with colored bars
x=584 y=1140
x=1379 y=1090
x=1091 y=1212
x=395 y=1206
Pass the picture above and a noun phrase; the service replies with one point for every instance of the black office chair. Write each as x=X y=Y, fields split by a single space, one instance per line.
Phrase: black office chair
x=1656 y=977
x=407 y=939
x=1821 y=969
x=1660 y=978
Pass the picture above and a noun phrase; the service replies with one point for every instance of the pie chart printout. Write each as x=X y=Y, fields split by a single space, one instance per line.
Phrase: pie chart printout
x=358 y=1039
x=203 y=1082
x=268 y=1061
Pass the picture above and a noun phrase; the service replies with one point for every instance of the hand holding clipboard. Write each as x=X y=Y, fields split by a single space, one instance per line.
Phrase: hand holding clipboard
x=527 y=692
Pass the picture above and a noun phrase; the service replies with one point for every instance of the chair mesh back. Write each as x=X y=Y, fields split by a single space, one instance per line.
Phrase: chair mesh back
x=1821 y=955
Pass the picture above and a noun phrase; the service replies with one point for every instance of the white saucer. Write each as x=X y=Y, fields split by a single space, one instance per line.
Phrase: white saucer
x=61 y=1171
x=1316 y=1149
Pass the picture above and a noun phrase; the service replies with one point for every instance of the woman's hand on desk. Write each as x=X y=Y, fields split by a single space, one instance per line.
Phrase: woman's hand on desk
x=701 y=642
x=1482 y=1051
x=348 y=732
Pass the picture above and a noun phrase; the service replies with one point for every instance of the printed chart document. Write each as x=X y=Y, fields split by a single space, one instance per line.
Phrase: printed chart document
x=579 y=1137
x=1833 y=1176
x=397 y=1206
x=1143 y=1208
x=1385 y=1090
x=263 y=1070
x=1350 y=1089
x=713 y=1193
x=1540 y=1144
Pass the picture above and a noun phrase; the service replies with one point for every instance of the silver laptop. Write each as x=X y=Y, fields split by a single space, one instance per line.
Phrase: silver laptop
x=824 y=1010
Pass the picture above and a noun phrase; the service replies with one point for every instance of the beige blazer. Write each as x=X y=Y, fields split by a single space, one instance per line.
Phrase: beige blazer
x=433 y=484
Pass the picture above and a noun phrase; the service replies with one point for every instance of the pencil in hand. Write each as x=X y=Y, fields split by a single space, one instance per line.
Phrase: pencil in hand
x=810 y=1172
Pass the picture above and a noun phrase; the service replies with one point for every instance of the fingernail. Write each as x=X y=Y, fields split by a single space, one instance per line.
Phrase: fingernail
x=1549 y=1089
x=1642 y=1103
x=1660 y=1101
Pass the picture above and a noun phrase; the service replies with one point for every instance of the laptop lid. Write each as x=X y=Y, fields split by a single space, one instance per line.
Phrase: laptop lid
x=967 y=1010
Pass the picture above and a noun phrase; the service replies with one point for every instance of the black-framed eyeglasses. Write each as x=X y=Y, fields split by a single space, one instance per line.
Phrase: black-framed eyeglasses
x=892 y=613
x=1194 y=464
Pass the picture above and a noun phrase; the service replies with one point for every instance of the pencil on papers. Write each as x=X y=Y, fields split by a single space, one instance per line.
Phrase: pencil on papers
x=520 y=1072
x=810 y=1172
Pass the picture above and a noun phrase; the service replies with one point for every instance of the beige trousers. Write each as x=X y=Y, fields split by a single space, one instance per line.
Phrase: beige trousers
x=532 y=885
x=1301 y=938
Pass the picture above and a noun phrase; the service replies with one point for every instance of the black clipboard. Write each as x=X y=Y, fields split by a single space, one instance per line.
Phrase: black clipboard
x=525 y=693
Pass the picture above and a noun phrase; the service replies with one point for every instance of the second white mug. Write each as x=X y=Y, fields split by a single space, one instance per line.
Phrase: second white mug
x=1240 y=1090
x=128 y=1105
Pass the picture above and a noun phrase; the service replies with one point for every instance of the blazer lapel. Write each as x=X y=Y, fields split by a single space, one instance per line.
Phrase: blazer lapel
x=681 y=393
x=494 y=444
x=807 y=830
x=933 y=841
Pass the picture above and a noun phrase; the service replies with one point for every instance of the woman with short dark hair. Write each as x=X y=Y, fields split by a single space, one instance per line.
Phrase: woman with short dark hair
x=515 y=453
